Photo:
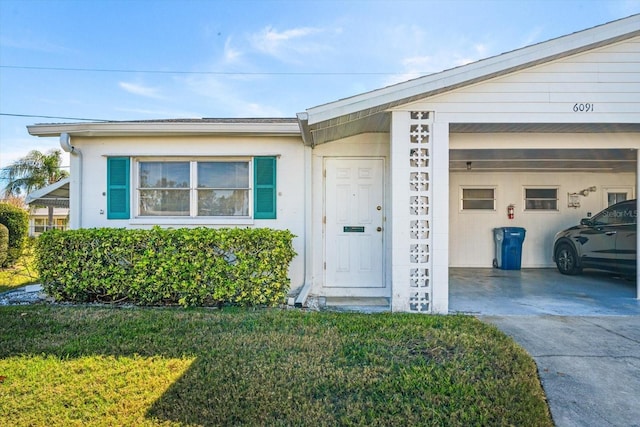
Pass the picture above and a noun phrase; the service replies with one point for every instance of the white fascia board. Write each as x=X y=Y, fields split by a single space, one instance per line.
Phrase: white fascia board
x=160 y=128
x=534 y=54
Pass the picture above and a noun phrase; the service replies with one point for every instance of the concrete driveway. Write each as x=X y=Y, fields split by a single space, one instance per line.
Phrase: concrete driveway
x=583 y=333
x=589 y=366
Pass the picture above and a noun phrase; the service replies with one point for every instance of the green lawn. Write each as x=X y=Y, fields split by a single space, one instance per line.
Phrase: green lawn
x=132 y=366
x=21 y=274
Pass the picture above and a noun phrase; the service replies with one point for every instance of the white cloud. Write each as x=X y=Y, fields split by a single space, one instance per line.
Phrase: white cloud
x=226 y=99
x=439 y=60
x=172 y=114
x=32 y=44
x=288 y=45
x=231 y=54
x=138 y=89
x=533 y=36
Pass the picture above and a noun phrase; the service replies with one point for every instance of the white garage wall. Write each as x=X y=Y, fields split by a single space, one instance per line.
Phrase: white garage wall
x=471 y=232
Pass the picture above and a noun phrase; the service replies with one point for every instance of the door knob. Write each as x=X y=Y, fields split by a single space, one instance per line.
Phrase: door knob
x=379 y=229
x=379 y=208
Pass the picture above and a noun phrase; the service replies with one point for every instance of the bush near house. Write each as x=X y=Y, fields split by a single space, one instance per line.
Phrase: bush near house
x=189 y=267
x=17 y=222
x=4 y=243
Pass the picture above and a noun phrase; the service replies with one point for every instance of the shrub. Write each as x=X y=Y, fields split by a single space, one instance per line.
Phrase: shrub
x=189 y=267
x=4 y=243
x=17 y=222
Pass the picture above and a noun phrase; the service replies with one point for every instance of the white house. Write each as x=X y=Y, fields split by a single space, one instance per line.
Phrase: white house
x=55 y=196
x=39 y=218
x=388 y=189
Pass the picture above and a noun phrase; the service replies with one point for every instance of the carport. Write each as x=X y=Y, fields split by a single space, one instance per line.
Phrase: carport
x=525 y=155
x=496 y=292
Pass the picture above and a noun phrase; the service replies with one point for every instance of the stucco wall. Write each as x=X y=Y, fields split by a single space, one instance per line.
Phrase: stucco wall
x=290 y=181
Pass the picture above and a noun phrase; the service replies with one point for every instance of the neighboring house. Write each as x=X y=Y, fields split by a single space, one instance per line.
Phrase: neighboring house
x=388 y=189
x=39 y=217
x=55 y=195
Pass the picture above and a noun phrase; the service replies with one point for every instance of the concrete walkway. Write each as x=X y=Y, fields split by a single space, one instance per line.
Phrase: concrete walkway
x=24 y=295
x=582 y=331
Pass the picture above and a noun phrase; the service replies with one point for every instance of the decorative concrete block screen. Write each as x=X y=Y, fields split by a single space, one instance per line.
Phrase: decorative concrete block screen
x=419 y=212
x=412 y=211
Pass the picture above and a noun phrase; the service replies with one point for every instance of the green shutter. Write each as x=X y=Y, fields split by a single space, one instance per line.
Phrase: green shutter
x=264 y=187
x=118 y=199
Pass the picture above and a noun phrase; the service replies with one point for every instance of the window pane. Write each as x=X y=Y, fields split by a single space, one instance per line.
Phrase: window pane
x=477 y=204
x=545 y=205
x=223 y=175
x=164 y=174
x=541 y=193
x=620 y=215
x=543 y=199
x=39 y=225
x=164 y=202
x=614 y=198
x=478 y=198
x=223 y=203
x=477 y=193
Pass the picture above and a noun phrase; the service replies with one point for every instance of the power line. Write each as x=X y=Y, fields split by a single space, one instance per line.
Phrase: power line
x=220 y=73
x=53 y=117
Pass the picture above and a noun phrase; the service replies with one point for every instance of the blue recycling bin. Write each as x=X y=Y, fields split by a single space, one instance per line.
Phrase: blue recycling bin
x=508 y=247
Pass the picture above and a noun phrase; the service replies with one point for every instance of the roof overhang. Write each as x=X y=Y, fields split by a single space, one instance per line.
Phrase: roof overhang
x=55 y=195
x=238 y=127
x=369 y=112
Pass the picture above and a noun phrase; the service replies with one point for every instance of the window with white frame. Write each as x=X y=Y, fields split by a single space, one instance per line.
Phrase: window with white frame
x=476 y=198
x=201 y=187
x=196 y=188
x=39 y=225
x=541 y=199
x=615 y=197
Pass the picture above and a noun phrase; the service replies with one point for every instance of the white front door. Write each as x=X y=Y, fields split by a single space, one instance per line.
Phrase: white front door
x=354 y=216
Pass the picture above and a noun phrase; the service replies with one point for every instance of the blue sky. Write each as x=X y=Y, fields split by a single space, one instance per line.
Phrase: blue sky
x=144 y=59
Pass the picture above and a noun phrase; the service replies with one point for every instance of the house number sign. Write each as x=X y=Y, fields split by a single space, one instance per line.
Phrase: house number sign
x=582 y=107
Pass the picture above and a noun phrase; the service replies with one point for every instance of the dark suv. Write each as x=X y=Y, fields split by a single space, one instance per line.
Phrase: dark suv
x=607 y=241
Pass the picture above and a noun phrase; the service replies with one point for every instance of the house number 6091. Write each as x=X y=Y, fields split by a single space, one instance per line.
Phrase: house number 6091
x=582 y=108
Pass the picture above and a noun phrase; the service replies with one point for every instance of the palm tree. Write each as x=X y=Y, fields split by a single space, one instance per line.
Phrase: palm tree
x=32 y=172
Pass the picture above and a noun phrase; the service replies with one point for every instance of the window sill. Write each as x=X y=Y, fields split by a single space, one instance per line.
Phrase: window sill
x=188 y=221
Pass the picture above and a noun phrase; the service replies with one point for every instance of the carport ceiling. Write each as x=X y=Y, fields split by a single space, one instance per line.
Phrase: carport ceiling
x=544 y=160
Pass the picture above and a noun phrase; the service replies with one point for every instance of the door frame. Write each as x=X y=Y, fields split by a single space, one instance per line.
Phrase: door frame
x=348 y=291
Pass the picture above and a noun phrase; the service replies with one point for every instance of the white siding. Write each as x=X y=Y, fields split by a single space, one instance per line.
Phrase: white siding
x=608 y=78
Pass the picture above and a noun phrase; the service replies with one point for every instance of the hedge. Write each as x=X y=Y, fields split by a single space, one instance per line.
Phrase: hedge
x=4 y=243
x=17 y=222
x=186 y=266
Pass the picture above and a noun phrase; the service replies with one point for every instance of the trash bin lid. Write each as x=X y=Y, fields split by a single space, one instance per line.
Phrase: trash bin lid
x=515 y=231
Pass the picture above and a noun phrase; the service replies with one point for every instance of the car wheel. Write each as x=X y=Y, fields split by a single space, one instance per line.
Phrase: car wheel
x=567 y=260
